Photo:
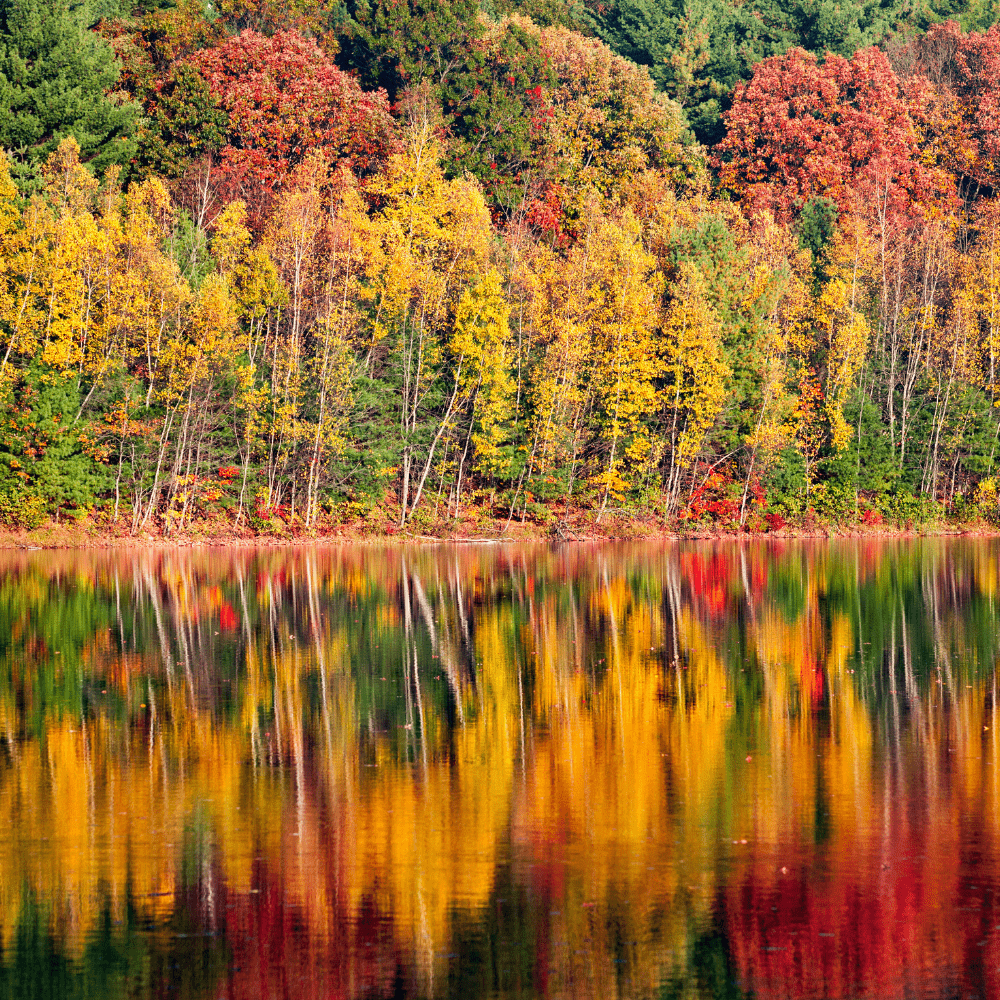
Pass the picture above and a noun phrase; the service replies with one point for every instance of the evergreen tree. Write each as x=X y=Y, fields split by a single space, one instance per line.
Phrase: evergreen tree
x=396 y=45
x=55 y=78
x=41 y=447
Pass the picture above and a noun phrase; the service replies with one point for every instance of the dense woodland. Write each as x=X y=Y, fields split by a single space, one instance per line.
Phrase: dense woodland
x=276 y=267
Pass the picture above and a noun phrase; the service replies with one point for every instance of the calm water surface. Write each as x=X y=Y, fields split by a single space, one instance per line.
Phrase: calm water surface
x=688 y=770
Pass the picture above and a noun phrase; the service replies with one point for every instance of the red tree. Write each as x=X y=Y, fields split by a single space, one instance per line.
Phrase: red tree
x=963 y=106
x=284 y=99
x=841 y=129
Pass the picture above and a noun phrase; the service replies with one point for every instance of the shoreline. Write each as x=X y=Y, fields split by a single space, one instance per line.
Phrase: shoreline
x=92 y=537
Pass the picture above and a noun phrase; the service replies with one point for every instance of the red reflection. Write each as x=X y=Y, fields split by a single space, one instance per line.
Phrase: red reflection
x=708 y=577
x=228 y=619
x=898 y=920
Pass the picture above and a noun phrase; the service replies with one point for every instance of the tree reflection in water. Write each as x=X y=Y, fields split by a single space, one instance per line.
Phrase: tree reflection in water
x=618 y=771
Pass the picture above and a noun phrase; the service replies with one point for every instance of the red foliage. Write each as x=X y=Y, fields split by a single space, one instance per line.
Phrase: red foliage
x=963 y=105
x=228 y=619
x=285 y=99
x=267 y=513
x=775 y=521
x=710 y=498
x=545 y=213
x=870 y=516
x=842 y=129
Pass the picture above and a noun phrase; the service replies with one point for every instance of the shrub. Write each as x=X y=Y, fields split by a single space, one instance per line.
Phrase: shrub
x=906 y=508
x=832 y=502
x=775 y=520
x=22 y=510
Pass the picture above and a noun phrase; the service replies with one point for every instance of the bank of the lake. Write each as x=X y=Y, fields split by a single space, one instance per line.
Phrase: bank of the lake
x=91 y=533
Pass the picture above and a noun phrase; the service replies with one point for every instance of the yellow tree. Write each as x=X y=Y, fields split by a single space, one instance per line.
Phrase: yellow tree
x=696 y=374
x=622 y=299
x=482 y=337
x=297 y=240
x=845 y=334
x=775 y=301
x=197 y=368
x=258 y=295
x=332 y=367
x=559 y=398
x=429 y=241
x=979 y=300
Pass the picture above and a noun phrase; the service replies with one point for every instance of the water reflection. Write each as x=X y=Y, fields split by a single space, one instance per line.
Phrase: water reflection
x=686 y=770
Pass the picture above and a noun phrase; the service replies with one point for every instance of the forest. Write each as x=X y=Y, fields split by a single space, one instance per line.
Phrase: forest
x=481 y=266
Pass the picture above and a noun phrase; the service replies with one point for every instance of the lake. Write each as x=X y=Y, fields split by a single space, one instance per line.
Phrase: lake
x=639 y=770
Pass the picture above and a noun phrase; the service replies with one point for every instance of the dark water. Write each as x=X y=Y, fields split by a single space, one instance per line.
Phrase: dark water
x=625 y=771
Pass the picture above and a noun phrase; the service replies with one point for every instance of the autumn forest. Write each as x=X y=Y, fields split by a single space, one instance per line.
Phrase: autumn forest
x=498 y=265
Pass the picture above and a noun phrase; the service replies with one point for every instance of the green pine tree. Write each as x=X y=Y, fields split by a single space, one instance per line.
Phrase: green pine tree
x=55 y=80
x=42 y=459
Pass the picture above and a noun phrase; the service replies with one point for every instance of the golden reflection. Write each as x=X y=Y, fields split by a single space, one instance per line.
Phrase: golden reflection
x=592 y=761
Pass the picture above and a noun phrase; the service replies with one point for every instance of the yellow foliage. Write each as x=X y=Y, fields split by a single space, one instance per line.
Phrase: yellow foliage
x=846 y=333
x=481 y=339
x=695 y=365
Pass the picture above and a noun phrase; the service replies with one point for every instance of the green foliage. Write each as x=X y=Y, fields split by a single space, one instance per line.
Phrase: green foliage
x=190 y=250
x=42 y=453
x=396 y=45
x=21 y=509
x=785 y=482
x=867 y=464
x=817 y=224
x=904 y=509
x=55 y=75
x=977 y=15
x=495 y=113
x=833 y=502
x=545 y=13
x=184 y=122
x=373 y=450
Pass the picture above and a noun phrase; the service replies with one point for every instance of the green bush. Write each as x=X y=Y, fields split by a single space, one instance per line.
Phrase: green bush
x=789 y=505
x=41 y=448
x=22 y=510
x=833 y=501
x=904 y=508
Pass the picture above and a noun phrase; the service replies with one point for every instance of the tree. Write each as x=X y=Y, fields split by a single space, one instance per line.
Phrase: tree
x=496 y=114
x=962 y=103
x=696 y=374
x=486 y=386
x=838 y=129
x=283 y=99
x=698 y=51
x=42 y=451
x=429 y=240
x=396 y=45
x=184 y=121
x=550 y=116
x=55 y=81
x=607 y=125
